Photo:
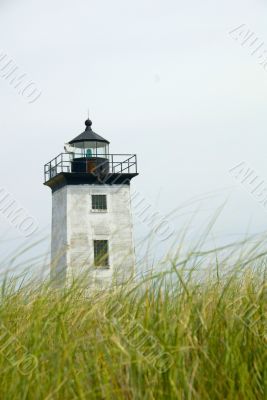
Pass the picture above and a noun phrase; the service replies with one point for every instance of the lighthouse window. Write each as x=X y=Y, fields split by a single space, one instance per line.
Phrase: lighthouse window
x=101 y=253
x=99 y=202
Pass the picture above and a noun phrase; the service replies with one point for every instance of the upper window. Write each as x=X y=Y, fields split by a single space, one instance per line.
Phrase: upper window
x=99 y=202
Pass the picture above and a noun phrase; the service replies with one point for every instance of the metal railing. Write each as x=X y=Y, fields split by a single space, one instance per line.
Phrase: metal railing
x=110 y=163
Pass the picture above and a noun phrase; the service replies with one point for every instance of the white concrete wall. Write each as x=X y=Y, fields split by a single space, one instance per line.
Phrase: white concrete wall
x=80 y=226
x=59 y=234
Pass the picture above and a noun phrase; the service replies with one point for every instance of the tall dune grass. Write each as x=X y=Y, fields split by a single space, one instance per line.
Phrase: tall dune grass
x=207 y=333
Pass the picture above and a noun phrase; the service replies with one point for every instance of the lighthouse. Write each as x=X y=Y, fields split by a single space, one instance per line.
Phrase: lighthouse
x=92 y=230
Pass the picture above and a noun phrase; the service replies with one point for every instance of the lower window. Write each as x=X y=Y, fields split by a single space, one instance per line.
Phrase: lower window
x=101 y=255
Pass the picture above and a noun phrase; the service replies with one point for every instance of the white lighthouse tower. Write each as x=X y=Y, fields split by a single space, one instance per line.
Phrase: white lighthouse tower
x=92 y=229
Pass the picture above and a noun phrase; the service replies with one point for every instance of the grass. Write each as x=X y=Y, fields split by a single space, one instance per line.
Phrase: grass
x=171 y=335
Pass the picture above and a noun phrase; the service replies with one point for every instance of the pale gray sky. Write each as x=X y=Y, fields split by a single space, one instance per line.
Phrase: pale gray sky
x=163 y=79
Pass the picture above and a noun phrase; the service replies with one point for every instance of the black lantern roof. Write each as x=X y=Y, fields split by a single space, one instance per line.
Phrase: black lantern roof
x=88 y=135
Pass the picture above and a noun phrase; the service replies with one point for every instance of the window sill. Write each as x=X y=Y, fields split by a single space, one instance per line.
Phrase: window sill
x=99 y=211
x=101 y=268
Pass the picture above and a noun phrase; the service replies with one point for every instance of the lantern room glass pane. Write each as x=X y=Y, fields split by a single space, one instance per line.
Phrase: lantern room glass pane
x=89 y=149
x=101 y=149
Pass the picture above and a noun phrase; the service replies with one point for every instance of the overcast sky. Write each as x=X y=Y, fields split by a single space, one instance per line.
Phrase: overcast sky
x=163 y=79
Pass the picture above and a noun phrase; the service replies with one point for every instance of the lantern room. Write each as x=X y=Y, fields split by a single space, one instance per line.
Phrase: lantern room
x=88 y=144
x=89 y=151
